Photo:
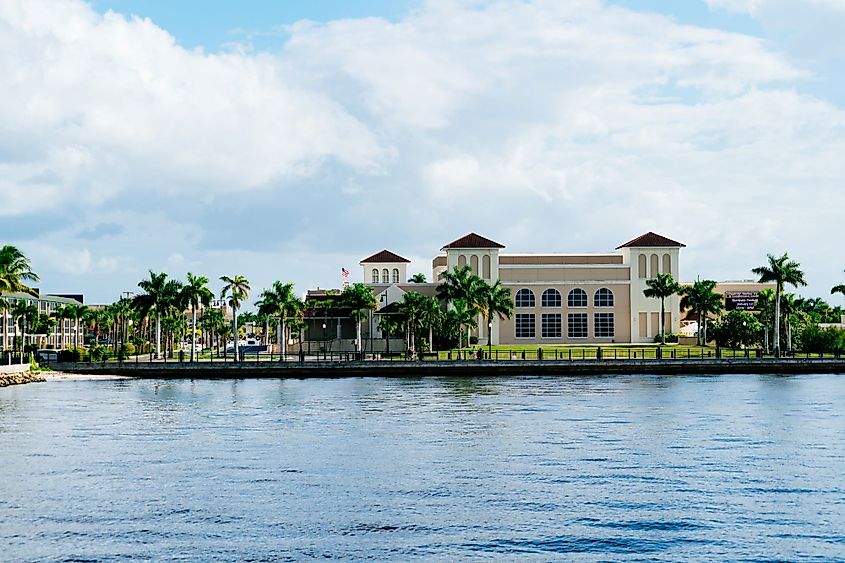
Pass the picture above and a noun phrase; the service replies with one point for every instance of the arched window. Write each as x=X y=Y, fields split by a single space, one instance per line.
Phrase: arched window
x=603 y=298
x=577 y=298
x=395 y=275
x=524 y=298
x=385 y=276
x=551 y=298
x=462 y=260
x=375 y=275
x=485 y=267
x=473 y=262
x=654 y=266
x=667 y=264
x=643 y=263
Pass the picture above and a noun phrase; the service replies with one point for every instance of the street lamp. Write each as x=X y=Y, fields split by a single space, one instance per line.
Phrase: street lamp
x=490 y=339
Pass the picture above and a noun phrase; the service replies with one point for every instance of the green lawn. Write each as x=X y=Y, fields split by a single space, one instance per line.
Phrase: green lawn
x=618 y=351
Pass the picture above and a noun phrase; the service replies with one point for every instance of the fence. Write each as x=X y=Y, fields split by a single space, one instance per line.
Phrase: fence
x=478 y=354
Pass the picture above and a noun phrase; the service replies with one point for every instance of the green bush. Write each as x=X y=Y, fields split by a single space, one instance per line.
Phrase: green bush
x=670 y=337
x=815 y=339
x=737 y=329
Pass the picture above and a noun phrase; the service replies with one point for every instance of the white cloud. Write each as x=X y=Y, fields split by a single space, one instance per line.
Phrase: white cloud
x=559 y=126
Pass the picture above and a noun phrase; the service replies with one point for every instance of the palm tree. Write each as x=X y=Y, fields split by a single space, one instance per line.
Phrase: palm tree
x=196 y=293
x=27 y=312
x=237 y=288
x=780 y=270
x=412 y=306
x=430 y=315
x=462 y=315
x=417 y=278
x=361 y=300
x=661 y=287
x=14 y=271
x=495 y=300
x=700 y=298
x=280 y=301
x=158 y=294
x=462 y=284
x=838 y=289
x=5 y=307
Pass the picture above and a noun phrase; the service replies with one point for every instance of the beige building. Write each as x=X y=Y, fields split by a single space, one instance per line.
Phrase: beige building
x=584 y=298
x=61 y=334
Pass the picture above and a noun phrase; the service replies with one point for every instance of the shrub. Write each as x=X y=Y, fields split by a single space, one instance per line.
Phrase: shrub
x=815 y=339
x=670 y=337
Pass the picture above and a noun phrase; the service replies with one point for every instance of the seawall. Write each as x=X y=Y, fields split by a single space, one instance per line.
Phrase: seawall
x=468 y=368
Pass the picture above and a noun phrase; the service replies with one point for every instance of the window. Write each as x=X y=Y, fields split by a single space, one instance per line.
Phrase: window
x=524 y=298
x=654 y=262
x=485 y=267
x=577 y=325
x=525 y=326
x=385 y=276
x=550 y=325
x=603 y=325
x=603 y=298
x=551 y=298
x=395 y=275
x=473 y=262
x=577 y=298
x=375 y=275
x=667 y=264
x=643 y=261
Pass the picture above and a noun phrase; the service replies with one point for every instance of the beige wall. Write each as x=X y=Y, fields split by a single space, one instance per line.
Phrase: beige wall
x=575 y=274
x=564 y=259
x=620 y=309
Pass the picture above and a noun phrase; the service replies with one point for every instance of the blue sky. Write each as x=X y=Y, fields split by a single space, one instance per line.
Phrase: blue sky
x=285 y=140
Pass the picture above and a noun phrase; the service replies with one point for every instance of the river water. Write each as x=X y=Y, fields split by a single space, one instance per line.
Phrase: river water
x=601 y=468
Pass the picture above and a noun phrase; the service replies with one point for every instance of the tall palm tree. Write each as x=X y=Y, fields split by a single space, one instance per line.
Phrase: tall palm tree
x=700 y=298
x=463 y=316
x=417 y=278
x=157 y=294
x=196 y=293
x=412 y=306
x=430 y=316
x=280 y=301
x=838 y=289
x=237 y=288
x=780 y=270
x=496 y=300
x=15 y=269
x=23 y=312
x=662 y=287
x=5 y=307
x=461 y=284
x=361 y=300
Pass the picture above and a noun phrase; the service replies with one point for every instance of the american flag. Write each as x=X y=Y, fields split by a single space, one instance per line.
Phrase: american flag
x=345 y=272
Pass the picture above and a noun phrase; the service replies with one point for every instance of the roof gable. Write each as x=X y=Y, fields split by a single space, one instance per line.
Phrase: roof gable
x=473 y=240
x=384 y=257
x=651 y=239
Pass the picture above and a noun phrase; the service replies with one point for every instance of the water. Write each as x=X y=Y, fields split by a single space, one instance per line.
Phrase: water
x=618 y=468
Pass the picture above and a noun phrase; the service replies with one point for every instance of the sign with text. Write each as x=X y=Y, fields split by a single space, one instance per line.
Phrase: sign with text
x=742 y=300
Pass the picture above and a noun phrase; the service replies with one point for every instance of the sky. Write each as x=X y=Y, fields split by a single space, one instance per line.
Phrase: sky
x=286 y=140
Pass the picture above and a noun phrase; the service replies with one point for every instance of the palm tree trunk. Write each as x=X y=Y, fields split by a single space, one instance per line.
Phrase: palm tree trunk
x=281 y=337
x=431 y=338
x=460 y=340
x=777 y=321
x=357 y=331
x=158 y=335
x=235 y=331
x=193 y=333
x=662 y=322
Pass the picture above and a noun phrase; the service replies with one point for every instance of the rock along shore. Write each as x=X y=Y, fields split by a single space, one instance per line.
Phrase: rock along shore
x=20 y=378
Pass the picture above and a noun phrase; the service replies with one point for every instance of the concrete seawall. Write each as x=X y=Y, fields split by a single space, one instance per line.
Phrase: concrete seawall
x=469 y=368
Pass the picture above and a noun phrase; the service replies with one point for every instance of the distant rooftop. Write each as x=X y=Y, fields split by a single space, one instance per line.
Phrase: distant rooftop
x=384 y=257
x=473 y=240
x=651 y=239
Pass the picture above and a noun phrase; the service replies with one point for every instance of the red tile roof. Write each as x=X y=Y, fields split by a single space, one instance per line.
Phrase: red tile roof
x=473 y=240
x=651 y=239
x=384 y=257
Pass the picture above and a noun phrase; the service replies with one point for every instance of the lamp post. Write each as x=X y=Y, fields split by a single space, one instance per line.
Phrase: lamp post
x=490 y=339
x=324 y=339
